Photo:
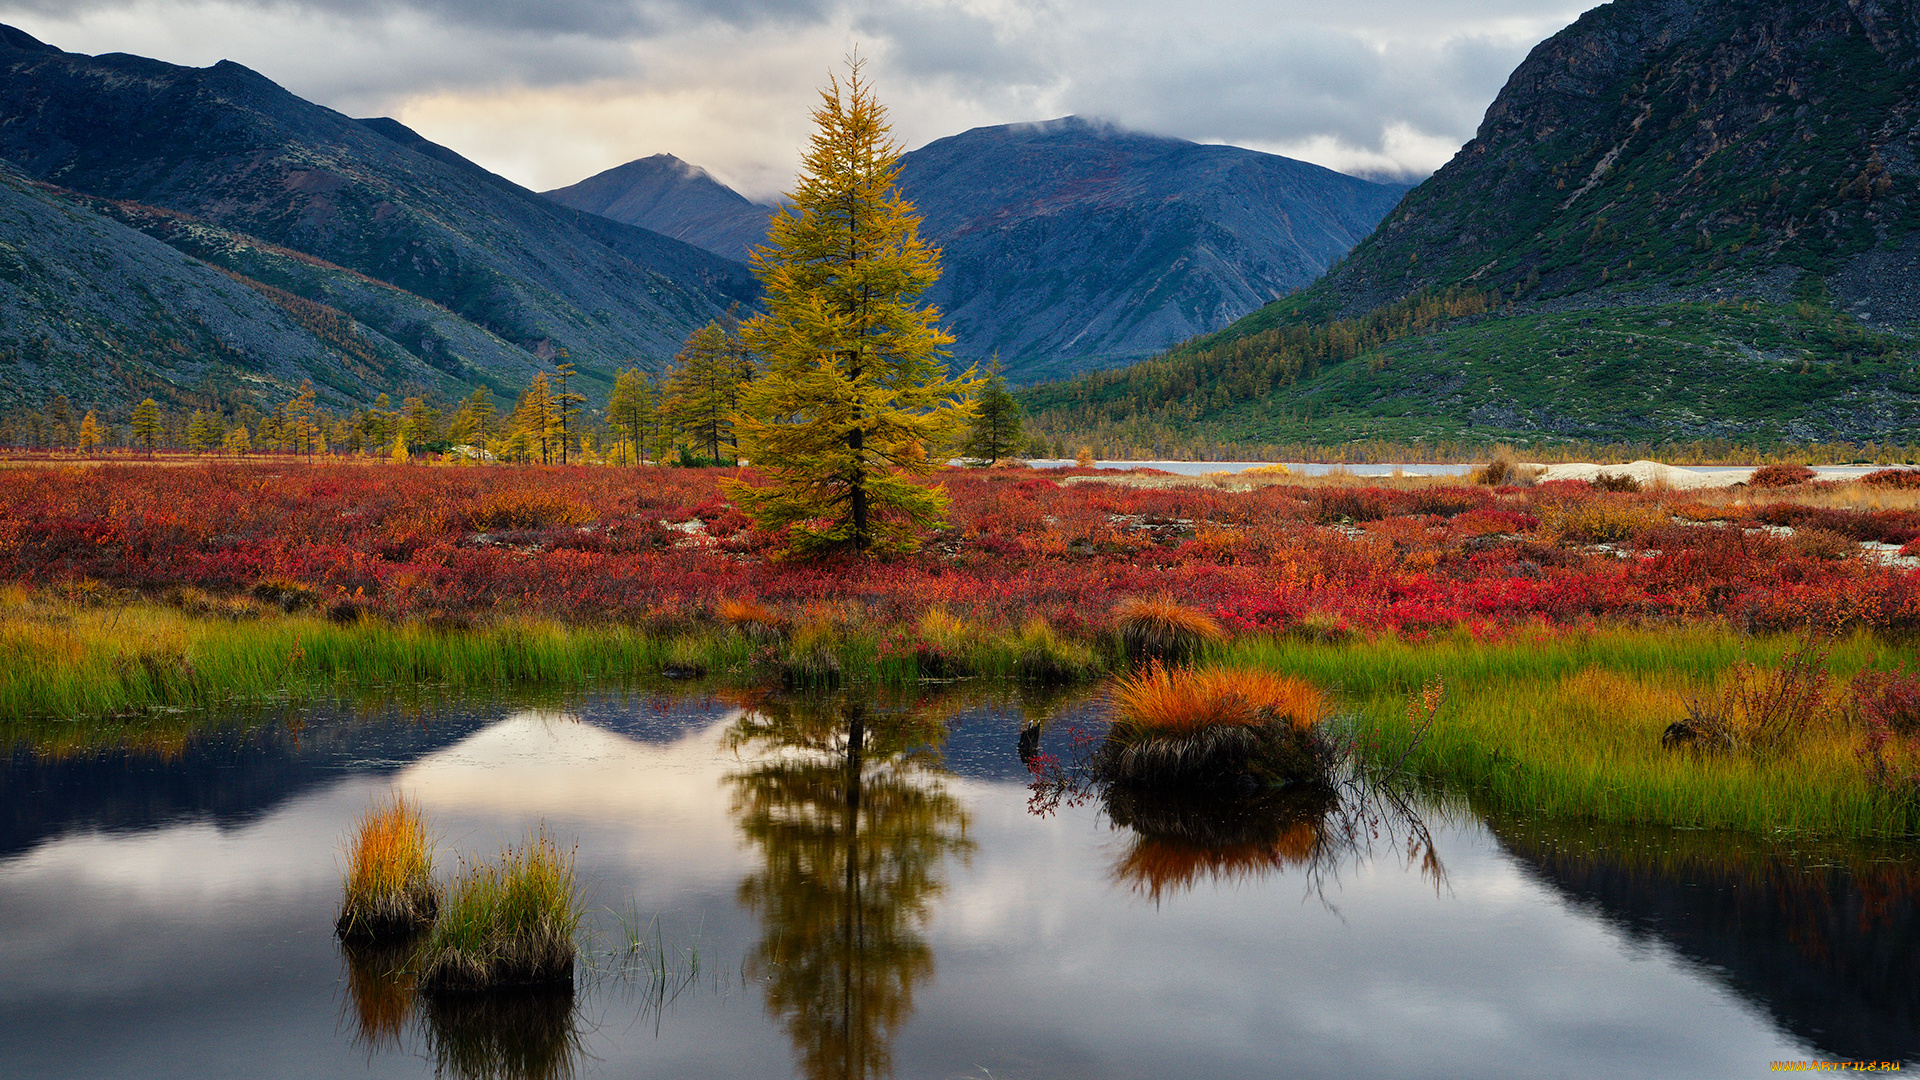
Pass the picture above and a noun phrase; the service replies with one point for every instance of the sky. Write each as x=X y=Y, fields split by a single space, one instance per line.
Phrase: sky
x=548 y=92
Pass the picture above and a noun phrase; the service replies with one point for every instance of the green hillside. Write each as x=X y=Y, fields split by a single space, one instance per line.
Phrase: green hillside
x=1679 y=220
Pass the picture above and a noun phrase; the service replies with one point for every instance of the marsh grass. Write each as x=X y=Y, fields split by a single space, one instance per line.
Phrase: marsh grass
x=1213 y=726
x=507 y=923
x=1042 y=654
x=390 y=894
x=1569 y=726
x=1160 y=628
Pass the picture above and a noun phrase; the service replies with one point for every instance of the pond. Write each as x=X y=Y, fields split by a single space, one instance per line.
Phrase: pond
x=167 y=910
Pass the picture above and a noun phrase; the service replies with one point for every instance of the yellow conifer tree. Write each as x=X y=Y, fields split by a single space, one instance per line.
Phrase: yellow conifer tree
x=855 y=386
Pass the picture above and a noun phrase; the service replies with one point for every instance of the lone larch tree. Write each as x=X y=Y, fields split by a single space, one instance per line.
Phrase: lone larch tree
x=855 y=396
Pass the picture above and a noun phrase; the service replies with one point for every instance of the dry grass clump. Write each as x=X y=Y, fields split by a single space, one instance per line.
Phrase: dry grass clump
x=291 y=595
x=752 y=619
x=1779 y=476
x=1159 y=628
x=812 y=658
x=507 y=923
x=389 y=887
x=1213 y=726
x=1505 y=471
x=1763 y=713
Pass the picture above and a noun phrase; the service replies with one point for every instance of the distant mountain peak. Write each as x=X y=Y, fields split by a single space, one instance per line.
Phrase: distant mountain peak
x=671 y=196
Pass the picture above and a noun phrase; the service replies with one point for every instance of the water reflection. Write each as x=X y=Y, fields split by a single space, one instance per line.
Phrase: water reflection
x=526 y=1034
x=381 y=991
x=1823 y=936
x=1177 y=843
x=522 y=1034
x=854 y=828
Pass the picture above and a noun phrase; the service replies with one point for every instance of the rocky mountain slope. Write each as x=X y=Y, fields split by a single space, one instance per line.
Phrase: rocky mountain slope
x=1680 y=219
x=1068 y=245
x=102 y=313
x=470 y=275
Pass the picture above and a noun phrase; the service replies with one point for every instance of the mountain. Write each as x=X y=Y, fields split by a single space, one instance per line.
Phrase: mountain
x=674 y=199
x=469 y=274
x=100 y=312
x=1680 y=219
x=1073 y=244
x=1069 y=244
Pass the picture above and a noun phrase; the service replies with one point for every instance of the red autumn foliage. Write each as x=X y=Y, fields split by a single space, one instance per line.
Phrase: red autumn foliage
x=661 y=546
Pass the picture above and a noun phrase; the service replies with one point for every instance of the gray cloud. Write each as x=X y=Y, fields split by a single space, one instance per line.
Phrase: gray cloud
x=540 y=89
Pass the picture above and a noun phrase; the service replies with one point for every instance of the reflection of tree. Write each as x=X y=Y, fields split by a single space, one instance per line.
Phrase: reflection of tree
x=854 y=829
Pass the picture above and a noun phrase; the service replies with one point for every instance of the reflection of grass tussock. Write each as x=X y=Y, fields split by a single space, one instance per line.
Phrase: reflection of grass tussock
x=380 y=992
x=1182 y=841
x=1180 y=726
x=524 y=1034
x=1159 y=628
x=389 y=885
x=507 y=923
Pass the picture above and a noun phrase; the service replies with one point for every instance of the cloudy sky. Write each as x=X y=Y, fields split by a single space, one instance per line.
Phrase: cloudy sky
x=550 y=91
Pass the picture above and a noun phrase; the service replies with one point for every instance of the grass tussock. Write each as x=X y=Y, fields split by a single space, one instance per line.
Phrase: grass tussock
x=1177 y=727
x=751 y=619
x=1043 y=655
x=389 y=889
x=507 y=923
x=1160 y=628
x=1504 y=471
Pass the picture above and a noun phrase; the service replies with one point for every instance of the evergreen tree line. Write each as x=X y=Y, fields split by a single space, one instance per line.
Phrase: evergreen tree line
x=686 y=415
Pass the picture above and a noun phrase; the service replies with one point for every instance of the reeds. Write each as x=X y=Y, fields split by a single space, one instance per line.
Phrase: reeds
x=1213 y=726
x=389 y=889
x=507 y=923
x=1160 y=628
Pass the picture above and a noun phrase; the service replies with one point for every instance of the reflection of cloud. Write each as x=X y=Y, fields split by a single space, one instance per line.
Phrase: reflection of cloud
x=643 y=797
x=548 y=93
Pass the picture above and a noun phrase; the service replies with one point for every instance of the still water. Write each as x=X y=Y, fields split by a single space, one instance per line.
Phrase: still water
x=894 y=907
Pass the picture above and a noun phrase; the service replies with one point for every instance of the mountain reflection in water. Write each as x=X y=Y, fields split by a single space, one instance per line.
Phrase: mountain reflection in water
x=1825 y=936
x=854 y=829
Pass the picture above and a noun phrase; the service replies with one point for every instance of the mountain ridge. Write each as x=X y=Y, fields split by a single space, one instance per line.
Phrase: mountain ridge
x=1069 y=243
x=230 y=149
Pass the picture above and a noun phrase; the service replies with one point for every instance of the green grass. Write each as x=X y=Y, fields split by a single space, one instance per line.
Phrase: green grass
x=1569 y=726
x=506 y=923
